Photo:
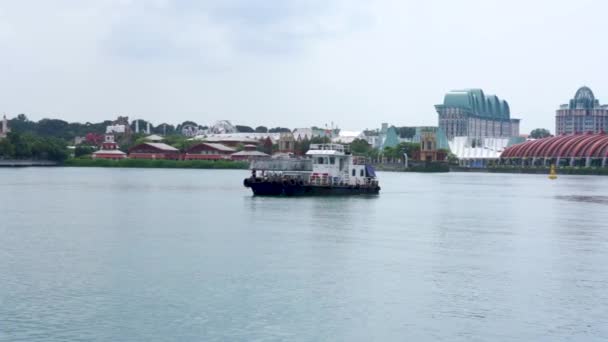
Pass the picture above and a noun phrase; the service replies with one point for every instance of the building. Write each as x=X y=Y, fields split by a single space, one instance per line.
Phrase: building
x=589 y=149
x=582 y=114
x=470 y=113
x=429 y=150
x=4 y=129
x=479 y=153
x=208 y=151
x=422 y=131
x=287 y=143
x=347 y=137
x=391 y=138
x=150 y=150
x=249 y=153
x=154 y=138
x=235 y=139
x=109 y=150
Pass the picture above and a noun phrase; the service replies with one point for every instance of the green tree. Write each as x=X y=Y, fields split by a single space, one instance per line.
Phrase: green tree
x=360 y=147
x=302 y=146
x=54 y=128
x=83 y=150
x=539 y=133
x=261 y=129
x=320 y=140
x=244 y=129
x=7 y=150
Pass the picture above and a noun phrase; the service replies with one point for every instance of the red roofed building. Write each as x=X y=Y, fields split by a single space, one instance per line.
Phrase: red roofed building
x=249 y=153
x=208 y=151
x=590 y=149
x=151 y=150
x=109 y=150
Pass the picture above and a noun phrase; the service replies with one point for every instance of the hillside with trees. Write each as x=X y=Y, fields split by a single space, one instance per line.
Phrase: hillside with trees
x=29 y=146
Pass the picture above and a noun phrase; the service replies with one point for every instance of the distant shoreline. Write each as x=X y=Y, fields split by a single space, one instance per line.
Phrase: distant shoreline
x=566 y=170
x=159 y=164
x=26 y=163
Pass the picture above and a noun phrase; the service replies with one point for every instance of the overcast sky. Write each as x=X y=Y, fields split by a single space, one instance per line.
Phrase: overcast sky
x=295 y=63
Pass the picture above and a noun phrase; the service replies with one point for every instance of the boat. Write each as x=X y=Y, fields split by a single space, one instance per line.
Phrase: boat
x=552 y=172
x=328 y=169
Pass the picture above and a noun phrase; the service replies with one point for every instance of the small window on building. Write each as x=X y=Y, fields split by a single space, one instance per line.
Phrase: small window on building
x=354 y=172
x=332 y=160
x=320 y=160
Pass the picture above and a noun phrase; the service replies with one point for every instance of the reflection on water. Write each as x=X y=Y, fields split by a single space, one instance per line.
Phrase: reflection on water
x=191 y=255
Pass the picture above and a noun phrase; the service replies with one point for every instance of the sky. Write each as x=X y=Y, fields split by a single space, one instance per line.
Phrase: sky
x=295 y=63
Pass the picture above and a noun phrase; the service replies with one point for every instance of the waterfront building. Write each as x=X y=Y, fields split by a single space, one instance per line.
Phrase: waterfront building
x=249 y=153
x=287 y=143
x=347 y=137
x=4 y=129
x=150 y=150
x=310 y=133
x=582 y=114
x=470 y=113
x=421 y=131
x=208 y=151
x=391 y=138
x=429 y=150
x=479 y=153
x=109 y=150
x=588 y=149
x=235 y=139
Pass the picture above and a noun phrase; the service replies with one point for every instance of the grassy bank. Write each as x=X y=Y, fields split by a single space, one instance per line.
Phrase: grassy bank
x=165 y=164
x=566 y=170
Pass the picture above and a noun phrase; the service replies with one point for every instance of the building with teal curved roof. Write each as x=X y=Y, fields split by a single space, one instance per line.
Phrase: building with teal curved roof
x=472 y=113
x=582 y=114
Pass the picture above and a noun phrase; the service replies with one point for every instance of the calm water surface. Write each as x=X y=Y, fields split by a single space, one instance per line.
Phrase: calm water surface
x=190 y=255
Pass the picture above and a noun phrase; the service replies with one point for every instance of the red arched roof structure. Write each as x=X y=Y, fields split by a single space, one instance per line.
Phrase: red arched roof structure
x=563 y=146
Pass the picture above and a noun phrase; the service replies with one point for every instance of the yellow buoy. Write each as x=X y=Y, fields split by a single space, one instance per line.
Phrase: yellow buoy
x=552 y=172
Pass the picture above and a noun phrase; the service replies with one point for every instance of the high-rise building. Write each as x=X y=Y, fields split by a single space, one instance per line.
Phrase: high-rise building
x=470 y=113
x=583 y=114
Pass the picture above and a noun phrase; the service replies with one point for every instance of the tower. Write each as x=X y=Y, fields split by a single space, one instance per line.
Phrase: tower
x=5 y=128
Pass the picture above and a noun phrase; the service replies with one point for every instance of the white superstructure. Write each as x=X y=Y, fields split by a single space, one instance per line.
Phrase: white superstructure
x=334 y=164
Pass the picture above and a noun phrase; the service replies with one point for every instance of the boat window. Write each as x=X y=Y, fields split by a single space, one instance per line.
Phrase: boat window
x=361 y=173
x=320 y=160
x=332 y=160
x=354 y=172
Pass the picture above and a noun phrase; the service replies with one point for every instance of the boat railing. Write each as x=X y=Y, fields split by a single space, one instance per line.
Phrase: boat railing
x=282 y=165
x=330 y=147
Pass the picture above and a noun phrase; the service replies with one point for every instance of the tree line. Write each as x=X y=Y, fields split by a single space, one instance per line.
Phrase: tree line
x=30 y=146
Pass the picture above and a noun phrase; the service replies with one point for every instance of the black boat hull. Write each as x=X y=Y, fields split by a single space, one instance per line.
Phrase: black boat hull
x=265 y=188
